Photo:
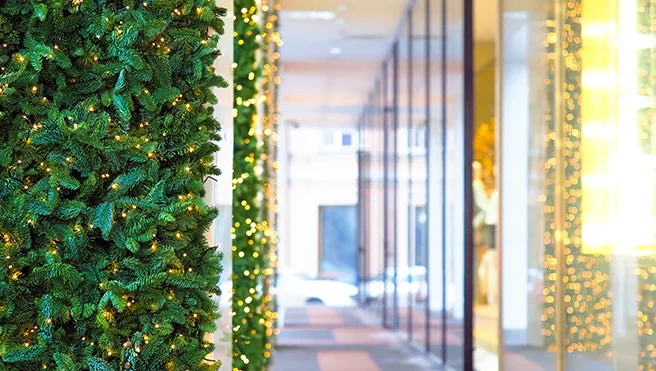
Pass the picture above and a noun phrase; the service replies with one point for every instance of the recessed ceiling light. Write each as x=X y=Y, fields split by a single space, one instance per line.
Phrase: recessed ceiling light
x=326 y=15
x=336 y=51
x=342 y=8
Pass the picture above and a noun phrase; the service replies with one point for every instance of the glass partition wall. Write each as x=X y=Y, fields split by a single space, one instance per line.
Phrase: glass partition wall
x=578 y=206
x=508 y=185
x=412 y=186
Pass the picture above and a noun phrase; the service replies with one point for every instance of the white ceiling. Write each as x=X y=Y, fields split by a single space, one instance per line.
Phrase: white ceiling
x=323 y=89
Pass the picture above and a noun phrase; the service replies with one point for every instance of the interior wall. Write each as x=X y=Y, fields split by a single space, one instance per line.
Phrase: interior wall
x=314 y=179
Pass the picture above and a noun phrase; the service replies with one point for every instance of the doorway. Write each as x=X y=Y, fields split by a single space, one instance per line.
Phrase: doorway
x=338 y=243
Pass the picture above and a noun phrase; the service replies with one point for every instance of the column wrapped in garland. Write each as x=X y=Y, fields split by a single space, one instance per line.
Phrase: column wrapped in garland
x=249 y=322
x=587 y=286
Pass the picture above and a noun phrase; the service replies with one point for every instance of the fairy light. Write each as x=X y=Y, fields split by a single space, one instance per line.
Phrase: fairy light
x=646 y=269
x=587 y=286
x=247 y=231
x=134 y=133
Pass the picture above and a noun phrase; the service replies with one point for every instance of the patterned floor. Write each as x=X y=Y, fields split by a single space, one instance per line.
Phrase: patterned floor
x=329 y=339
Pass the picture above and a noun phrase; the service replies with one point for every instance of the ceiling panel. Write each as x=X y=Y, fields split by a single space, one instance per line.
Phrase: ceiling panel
x=322 y=88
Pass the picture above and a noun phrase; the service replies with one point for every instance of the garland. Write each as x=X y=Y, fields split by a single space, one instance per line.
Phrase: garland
x=248 y=304
x=588 y=305
x=270 y=118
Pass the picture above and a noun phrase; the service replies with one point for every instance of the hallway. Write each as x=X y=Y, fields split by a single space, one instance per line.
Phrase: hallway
x=329 y=339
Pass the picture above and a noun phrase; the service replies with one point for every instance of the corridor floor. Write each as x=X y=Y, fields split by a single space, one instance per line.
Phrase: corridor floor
x=329 y=339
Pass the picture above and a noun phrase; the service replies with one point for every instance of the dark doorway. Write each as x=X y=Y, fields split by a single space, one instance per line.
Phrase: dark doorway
x=338 y=243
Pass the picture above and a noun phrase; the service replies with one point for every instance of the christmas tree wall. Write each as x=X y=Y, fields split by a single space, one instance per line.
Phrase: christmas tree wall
x=107 y=138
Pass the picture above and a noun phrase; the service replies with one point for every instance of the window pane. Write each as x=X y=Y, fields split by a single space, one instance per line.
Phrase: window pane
x=418 y=172
x=485 y=198
x=407 y=286
x=453 y=102
x=347 y=140
x=328 y=137
x=389 y=123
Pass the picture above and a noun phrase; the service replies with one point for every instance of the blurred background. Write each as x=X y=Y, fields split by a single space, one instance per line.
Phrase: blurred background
x=439 y=205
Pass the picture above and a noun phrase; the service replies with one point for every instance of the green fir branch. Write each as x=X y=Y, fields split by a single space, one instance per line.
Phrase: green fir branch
x=106 y=123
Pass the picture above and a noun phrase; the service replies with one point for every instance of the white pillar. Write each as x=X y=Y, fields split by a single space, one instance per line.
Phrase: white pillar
x=514 y=174
x=219 y=194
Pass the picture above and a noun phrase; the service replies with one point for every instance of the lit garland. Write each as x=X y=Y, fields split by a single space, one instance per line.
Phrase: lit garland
x=270 y=82
x=587 y=285
x=248 y=301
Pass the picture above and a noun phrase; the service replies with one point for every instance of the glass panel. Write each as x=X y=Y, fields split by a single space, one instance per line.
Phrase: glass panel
x=589 y=189
x=454 y=200
x=375 y=208
x=418 y=170
x=440 y=304
x=390 y=147
x=485 y=197
x=406 y=285
x=527 y=245
x=609 y=229
x=338 y=243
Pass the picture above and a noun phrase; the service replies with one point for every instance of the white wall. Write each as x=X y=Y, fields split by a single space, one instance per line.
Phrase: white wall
x=312 y=178
x=316 y=177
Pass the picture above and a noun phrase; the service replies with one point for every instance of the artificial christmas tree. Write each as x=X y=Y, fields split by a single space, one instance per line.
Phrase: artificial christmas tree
x=106 y=139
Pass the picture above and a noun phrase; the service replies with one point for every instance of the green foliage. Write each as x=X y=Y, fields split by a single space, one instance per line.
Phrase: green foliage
x=107 y=136
x=249 y=330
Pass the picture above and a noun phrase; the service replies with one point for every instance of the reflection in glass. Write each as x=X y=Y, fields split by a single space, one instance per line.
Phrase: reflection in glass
x=589 y=189
x=408 y=281
x=528 y=318
x=486 y=204
x=417 y=134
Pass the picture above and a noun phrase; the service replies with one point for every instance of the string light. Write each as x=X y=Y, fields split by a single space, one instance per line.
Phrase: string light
x=586 y=281
x=74 y=172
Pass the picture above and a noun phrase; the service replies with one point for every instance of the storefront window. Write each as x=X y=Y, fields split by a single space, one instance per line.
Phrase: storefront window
x=578 y=186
